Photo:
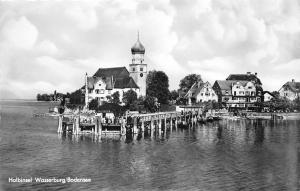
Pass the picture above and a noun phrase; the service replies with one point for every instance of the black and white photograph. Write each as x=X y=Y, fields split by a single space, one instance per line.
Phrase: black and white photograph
x=149 y=95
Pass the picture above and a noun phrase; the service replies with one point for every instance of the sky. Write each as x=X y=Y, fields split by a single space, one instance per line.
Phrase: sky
x=50 y=45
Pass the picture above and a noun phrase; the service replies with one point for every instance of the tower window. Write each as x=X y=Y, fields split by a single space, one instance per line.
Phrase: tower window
x=141 y=69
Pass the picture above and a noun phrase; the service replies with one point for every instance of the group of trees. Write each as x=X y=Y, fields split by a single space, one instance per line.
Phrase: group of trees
x=50 y=97
x=281 y=104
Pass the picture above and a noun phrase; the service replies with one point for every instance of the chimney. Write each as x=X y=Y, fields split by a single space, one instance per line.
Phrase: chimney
x=248 y=73
x=293 y=80
x=255 y=73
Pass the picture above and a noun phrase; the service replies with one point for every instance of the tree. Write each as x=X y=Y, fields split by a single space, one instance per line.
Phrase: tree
x=187 y=82
x=173 y=95
x=276 y=94
x=129 y=97
x=115 y=97
x=150 y=104
x=76 y=97
x=158 y=86
x=93 y=105
x=38 y=97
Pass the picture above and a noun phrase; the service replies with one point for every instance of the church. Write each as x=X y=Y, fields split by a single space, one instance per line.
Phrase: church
x=107 y=81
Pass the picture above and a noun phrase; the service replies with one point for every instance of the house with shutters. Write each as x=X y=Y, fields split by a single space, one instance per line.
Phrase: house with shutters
x=290 y=90
x=201 y=92
x=239 y=91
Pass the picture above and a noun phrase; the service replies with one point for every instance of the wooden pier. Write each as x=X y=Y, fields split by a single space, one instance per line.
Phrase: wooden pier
x=157 y=123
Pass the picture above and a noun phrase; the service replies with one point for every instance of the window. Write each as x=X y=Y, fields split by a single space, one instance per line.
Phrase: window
x=97 y=91
x=227 y=92
x=133 y=69
x=250 y=87
x=237 y=87
x=99 y=84
x=201 y=94
x=141 y=69
x=101 y=91
x=90 y=91
x=241 y=92
x=247 y=92
x=234 y=93
x=207 y=94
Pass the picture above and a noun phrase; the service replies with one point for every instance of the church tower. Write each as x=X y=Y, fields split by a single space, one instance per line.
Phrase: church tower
x=138 y=68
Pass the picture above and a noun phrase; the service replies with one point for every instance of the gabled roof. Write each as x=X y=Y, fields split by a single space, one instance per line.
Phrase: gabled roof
x=267 y=92
x=117 y=72
x=244 y=77
x=127 y=82
x=196 y=88
x=293 y=86
x=227 y=84
x=91 y=81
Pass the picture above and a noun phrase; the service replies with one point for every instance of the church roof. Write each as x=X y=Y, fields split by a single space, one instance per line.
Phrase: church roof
x=117 y=77
x=117 y=72
x=127 y=82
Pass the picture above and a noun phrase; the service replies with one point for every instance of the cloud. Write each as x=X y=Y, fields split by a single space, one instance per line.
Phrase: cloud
x=84 y=16
x=47 y=47
x=19 y=33
x=43 y=50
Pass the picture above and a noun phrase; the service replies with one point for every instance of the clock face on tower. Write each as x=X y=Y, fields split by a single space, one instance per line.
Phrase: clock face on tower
x=141 y=74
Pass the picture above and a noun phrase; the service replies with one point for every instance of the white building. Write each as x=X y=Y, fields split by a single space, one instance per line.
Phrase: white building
x=201 y=92
x=290 y=90
x=268 y=96
x=237 y=94
x=107 y=81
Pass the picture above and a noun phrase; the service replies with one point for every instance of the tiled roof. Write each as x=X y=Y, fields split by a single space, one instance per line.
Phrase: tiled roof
x=227 y=84
x=117 y=77
x=117 y=72
x=195 y=89
x=244 y=77
x=293 y=86
x=267 y=92
x=126 y=82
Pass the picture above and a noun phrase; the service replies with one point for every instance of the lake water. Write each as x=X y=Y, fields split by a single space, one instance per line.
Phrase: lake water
x=225 y=155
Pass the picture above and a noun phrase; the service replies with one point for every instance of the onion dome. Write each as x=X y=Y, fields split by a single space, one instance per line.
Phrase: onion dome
x=138 y=48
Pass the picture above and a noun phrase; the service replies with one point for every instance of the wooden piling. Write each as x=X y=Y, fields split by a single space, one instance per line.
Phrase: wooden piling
x=60 y=121
x=143 y=126
x=135 y=128
x=171 y=124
